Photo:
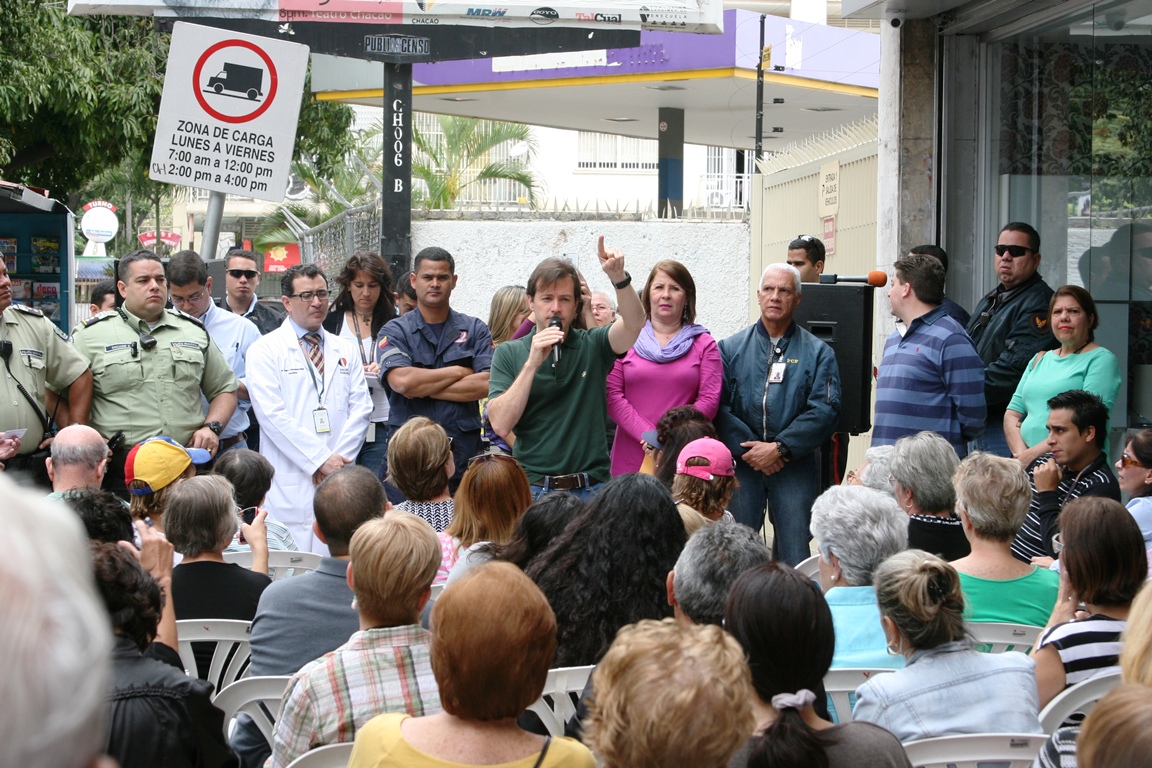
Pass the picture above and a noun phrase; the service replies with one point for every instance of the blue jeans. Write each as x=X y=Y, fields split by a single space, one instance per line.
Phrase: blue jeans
x=992 y=440
x=789 y=493
x=584 y=494
x=372 y=454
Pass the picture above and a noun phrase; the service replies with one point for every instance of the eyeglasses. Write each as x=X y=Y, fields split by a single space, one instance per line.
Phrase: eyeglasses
x=1128 y=461
x=481 y=458
x=239 y=273
x=307 y=296
x=1015 y=251
x=181 y=300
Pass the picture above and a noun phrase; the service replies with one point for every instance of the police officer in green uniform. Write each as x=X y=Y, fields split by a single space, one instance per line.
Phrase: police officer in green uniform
x=149 y=366
x=36 y=354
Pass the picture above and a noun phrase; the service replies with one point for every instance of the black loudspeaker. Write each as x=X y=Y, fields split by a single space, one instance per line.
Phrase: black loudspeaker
x=841 y=316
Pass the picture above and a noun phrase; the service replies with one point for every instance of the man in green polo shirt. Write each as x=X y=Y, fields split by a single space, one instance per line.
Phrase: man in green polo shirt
x=150 y=365
x=549 y=387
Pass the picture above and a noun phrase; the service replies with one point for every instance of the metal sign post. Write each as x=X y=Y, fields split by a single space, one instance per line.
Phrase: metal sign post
x=396 y=195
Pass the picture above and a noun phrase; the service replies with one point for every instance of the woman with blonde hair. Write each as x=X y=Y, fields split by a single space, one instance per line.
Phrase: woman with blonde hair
x=947 y=687
x=420 y=461
x=992 y=498
x=510 y=307
x=493 y=494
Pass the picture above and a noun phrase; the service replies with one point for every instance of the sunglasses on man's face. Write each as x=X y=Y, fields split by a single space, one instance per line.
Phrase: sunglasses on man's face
x=1015 y=251
x=239 y=273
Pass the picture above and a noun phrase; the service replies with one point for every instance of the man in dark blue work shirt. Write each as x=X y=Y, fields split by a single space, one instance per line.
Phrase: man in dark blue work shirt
x=434 y=361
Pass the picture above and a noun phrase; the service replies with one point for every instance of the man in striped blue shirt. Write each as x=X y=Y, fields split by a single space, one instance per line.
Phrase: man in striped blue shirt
x=931 y=377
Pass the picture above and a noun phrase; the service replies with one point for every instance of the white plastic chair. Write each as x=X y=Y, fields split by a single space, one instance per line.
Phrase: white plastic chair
x=841 y=684
x=247 y=695
x=555 y=707
x=282 y=563
x=1002 y=636
x=976 y=750
x=1081 y=697
x=810 y=567
x=331 y=756
x=230 y=656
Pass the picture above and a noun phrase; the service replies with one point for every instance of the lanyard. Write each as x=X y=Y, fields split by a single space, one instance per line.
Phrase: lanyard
x=359 y=341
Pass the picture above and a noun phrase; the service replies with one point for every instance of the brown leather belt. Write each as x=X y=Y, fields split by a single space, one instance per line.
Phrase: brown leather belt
x=565 y=482
x=228 y=442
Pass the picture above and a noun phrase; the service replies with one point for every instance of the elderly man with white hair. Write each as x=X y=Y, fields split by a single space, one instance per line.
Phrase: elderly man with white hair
x=79 y=460
x=780 y=402
x=856 y=529
x=55 y=638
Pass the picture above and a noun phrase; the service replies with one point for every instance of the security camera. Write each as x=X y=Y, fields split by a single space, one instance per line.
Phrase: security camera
x=894 y=17
x=1115 y=20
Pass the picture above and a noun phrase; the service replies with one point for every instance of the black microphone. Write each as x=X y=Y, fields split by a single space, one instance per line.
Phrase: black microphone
x=875 y=278
x=555 y=322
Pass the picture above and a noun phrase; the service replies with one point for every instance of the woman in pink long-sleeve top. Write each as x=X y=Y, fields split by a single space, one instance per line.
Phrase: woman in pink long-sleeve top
x=674 y=362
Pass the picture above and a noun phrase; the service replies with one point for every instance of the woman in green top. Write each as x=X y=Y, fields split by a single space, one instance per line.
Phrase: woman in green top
x=992 y=497
x=1079 y=363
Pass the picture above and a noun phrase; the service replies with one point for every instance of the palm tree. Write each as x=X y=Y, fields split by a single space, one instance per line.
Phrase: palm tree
x=461 y=155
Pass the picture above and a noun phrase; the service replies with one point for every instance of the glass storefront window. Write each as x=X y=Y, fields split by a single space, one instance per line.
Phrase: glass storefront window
x=1070 y=110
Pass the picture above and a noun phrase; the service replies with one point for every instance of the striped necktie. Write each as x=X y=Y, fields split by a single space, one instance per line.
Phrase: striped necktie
x=311 y=343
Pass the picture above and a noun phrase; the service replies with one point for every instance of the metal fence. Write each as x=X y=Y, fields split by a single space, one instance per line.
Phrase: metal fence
x=330 y=244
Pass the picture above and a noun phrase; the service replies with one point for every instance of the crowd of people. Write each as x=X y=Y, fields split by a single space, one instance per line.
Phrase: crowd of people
x=585 y=476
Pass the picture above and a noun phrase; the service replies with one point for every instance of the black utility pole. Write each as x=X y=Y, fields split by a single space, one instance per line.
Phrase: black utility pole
x=396 y=192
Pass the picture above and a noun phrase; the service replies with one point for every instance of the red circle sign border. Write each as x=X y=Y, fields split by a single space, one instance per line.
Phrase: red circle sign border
x=272 y=78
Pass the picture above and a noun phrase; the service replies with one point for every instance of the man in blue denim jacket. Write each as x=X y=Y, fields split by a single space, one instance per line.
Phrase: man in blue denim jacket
x=780 y=403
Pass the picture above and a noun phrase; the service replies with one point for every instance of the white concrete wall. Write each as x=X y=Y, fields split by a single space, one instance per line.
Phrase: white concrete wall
x=491 y=254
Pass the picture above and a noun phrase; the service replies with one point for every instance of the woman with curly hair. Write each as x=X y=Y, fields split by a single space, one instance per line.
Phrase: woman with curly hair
x=610 y=566
x=364 y=304
x=158 y=715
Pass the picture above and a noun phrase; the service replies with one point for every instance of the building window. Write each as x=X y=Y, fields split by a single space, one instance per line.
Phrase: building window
x=604 y=152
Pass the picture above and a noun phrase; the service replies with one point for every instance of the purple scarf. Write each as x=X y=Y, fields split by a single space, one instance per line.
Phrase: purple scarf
x=648 y=347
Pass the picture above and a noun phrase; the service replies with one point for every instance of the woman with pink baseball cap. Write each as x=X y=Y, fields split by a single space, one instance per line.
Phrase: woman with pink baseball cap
x=705 y=479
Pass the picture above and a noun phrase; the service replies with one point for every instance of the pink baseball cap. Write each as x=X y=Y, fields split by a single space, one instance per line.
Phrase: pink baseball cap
x=719 y=459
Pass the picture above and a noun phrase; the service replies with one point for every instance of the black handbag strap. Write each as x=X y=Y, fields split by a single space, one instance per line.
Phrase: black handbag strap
x=543 y=752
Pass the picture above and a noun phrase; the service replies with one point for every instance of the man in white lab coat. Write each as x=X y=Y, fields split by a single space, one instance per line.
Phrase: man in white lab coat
x=309 y=393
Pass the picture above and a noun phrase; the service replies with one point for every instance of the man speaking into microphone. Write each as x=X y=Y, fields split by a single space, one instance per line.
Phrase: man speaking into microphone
x=548 y=388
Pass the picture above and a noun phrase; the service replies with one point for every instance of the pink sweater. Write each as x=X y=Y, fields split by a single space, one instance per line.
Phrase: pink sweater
x=640 y=391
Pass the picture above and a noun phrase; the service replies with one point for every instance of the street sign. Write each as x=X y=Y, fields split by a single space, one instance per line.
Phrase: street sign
x=229 y=111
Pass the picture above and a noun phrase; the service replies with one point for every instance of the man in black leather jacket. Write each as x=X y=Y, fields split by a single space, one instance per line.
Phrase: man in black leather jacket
x=1009 y=326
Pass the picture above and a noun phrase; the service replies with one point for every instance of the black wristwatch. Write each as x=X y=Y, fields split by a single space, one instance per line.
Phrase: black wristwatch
x=627 y=281
x=784 y=450
x=216 y=427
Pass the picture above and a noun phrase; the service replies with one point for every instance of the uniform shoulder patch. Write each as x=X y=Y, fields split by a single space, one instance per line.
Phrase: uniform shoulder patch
x=27 y=310
x=1039 y=323
x=98 y=318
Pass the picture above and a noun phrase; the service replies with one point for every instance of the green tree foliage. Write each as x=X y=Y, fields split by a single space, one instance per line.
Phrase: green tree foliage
x=461 y=156
x=79 y=96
